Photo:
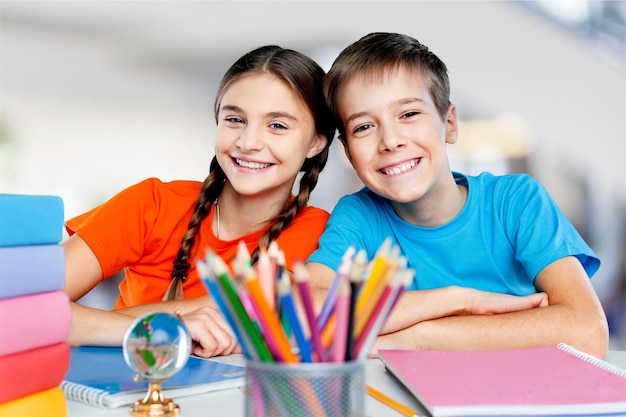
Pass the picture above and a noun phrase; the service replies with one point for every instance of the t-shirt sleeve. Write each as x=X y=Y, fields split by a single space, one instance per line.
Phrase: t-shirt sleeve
x=540 y=231
x=349 y=224
x=116 y=230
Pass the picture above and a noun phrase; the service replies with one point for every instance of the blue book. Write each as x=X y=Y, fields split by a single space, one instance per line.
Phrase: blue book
x=100 y=376
x=31 y=269
x=30 y=219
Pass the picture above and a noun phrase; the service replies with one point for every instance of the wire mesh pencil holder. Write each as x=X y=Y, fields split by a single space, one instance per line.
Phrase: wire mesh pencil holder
x=305 y=389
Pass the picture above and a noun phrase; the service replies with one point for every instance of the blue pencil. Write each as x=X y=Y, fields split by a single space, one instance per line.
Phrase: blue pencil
x=286 y=301
x=208 y=279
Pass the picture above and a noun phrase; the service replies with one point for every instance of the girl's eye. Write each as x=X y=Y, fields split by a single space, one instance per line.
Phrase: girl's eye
x=277 y=126
x=233 y=119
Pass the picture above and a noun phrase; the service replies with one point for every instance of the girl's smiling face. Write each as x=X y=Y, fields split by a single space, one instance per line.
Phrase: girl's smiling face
x=395 y=138
x=264 y=134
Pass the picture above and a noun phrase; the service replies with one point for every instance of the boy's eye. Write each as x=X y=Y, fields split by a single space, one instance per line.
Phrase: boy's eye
x=409 y=114
x=361 y=128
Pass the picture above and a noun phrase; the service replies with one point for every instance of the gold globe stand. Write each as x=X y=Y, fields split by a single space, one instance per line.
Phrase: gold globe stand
x=154 y=404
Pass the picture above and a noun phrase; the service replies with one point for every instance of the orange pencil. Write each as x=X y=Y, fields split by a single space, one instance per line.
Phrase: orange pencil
x=268 y=320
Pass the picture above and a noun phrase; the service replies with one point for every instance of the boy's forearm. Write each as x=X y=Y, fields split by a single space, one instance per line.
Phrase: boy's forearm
x=536 y=327
x=417 y=306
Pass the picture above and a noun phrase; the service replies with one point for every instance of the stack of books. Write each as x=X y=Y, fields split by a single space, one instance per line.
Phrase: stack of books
x=35 y=313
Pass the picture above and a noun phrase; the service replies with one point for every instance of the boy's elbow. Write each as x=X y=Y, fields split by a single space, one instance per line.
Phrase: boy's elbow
x=594 y=337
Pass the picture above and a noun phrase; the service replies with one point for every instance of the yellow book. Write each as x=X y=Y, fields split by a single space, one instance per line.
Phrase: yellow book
x=49 y=403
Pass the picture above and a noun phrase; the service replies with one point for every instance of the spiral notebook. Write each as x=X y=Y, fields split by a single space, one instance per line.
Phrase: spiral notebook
x=546 y=381
x=100 y=376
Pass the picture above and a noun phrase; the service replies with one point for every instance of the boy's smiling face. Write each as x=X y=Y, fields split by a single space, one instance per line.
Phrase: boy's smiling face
x=396 y=140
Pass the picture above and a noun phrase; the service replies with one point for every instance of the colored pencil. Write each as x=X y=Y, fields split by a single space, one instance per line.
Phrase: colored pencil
x=287 y=303
x=375 y=270
x=301 y=277
x=355 y=286
x=372 y=301
x=208 y=279
x=403 y=279
x=221 y=271
x=342 y=274
x=267 y=278
x=390 y=402
x=272 y=329
x=342 y=312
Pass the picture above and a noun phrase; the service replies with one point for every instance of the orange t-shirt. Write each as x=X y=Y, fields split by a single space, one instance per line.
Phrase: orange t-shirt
x=141 y=228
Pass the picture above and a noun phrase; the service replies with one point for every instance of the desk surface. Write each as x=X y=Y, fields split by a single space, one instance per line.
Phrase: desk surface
x=215 y=403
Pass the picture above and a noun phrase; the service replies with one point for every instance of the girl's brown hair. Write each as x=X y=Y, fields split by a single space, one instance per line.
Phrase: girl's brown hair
x=305 y=77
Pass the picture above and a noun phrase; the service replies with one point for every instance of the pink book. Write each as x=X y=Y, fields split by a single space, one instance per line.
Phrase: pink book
x=552 y=380
x=32 y=321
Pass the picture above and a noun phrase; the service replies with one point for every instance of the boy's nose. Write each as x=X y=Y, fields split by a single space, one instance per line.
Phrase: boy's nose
x=390 y=140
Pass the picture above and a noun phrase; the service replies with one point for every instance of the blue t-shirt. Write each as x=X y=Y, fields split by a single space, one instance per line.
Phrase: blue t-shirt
x=508 y=231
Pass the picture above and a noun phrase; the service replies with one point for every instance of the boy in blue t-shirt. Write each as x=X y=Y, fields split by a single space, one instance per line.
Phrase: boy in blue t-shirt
x=503 y=235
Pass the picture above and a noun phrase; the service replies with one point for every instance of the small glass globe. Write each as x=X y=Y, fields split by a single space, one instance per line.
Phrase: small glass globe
x=156 y=346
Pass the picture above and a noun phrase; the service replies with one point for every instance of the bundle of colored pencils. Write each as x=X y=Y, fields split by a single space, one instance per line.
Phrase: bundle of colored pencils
x=260 y=306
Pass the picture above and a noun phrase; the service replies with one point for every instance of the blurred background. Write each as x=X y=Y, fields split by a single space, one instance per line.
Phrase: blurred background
x=98 y=95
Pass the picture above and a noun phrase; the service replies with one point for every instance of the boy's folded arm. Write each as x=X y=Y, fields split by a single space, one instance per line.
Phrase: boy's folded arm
x=574 y=316
x=422 y=305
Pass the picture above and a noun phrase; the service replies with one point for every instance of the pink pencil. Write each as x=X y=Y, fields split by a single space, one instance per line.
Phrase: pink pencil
x=342 y=312
x=301 y=276
x=267 y=278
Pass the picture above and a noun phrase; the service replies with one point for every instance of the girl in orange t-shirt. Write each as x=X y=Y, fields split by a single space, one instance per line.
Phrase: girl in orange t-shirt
x=272 y=123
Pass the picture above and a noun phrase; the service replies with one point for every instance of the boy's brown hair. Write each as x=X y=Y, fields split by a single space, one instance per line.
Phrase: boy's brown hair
x=378 y=52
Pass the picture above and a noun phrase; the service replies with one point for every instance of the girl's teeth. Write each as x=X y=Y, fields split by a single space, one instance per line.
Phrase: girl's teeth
x=252 y=165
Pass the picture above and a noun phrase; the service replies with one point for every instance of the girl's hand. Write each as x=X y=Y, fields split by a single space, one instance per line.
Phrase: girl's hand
x=210 y=333
x=484 y=302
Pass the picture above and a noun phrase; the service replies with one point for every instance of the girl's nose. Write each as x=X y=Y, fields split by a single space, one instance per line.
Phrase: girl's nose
x=249 y=140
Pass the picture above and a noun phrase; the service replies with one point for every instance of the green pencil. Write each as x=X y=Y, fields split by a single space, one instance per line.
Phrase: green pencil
x=221 y=271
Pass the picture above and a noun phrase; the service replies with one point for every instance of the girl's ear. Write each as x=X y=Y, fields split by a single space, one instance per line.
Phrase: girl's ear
x=452 y=126
x=318 y=145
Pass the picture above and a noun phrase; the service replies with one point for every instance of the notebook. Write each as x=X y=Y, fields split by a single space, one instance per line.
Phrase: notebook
x=100 y=376
x=552 y=380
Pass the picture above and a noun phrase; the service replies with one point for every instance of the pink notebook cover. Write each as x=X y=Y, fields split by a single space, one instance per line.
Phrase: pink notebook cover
x=553 y=380
x=33 y=321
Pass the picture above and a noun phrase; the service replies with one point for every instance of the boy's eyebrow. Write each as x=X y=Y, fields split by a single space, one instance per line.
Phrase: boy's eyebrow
x=273 y=114
x=406 y=100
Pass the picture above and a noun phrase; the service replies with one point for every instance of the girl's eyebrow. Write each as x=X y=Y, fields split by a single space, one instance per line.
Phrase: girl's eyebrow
x=273 y=114
x=231 y=107
x=281 y=114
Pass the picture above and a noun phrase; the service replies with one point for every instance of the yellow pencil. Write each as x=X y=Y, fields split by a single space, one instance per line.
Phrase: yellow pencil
x=390 y=402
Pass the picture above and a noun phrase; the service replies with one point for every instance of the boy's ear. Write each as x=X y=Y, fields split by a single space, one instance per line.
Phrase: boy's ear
x=318 y=145
x=452 y=126
x=347 y=152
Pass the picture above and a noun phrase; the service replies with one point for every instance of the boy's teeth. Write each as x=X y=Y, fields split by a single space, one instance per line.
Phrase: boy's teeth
x=400 y=169
x=252 y=165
